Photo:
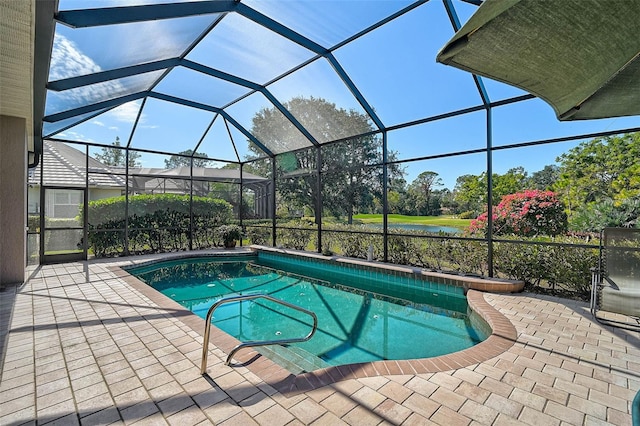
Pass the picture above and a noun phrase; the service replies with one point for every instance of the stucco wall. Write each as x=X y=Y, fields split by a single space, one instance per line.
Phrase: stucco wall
x=13 y=199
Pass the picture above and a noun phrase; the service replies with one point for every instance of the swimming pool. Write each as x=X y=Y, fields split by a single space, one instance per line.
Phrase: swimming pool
x=363 y=314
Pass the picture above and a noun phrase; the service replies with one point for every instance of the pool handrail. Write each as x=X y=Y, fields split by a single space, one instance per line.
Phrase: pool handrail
x=241 y=297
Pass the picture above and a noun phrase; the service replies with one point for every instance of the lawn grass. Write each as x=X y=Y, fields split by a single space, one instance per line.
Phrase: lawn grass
x=55 y=252
x=444 y=220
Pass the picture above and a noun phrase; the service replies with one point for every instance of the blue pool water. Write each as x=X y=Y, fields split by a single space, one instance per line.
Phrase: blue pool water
x=362 y=315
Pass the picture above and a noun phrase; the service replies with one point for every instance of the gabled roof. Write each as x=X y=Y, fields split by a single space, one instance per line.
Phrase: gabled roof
x=65 y=166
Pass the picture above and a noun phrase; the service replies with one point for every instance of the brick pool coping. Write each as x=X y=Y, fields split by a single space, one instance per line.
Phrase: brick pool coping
x=503 y=336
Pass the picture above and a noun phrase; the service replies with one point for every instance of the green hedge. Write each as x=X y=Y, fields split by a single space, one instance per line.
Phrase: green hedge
x=157 y=223
x=302 y=238
x=352 y=244
x=259 y=235
x=110 y=209
x=563 y=269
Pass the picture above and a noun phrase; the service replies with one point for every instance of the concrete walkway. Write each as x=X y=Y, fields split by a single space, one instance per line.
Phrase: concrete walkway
x=82 y=346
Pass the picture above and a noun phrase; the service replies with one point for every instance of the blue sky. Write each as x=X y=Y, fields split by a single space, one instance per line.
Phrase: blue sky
x=394 y=68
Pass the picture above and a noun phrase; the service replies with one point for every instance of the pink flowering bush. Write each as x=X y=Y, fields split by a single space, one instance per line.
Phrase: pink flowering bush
x=527 y=213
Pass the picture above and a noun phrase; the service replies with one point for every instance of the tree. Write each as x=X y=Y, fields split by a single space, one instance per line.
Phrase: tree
x=545 y=178
x=348 y=185
x=447 y=200
x=509 y=183
x=116 y=156
x=600 y=169
x=183 y=159
x=396 y=196
x=470 y=193
x=421 y=192
x=593 y=217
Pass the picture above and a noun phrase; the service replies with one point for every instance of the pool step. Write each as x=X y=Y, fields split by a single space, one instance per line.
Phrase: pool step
x=293 y=358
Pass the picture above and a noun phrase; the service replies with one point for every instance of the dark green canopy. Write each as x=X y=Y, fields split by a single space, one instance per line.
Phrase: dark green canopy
x=581 y=56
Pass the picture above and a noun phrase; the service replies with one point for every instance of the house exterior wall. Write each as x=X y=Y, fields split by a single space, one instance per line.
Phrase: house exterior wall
x=100 y=193
x=13 y=199
x=94 y=194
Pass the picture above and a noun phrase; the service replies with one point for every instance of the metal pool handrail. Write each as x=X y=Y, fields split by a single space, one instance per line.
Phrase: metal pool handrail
x=207 y=327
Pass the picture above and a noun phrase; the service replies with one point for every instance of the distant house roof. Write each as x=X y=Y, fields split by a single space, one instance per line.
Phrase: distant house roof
x=145 y=179
x=65 y=166
x=200 y=173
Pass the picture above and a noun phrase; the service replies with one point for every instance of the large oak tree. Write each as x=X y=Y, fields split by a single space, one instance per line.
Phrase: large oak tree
x=349 y=184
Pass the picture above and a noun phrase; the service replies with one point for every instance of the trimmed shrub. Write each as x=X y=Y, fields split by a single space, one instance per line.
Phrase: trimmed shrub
x=157 y=223
x=569 y=269
x=298 y=239
x=258 y=235
x=562 y=268
x=352 y=244
x=526 y=262
x=107 y=243
x=107 y=209
x=445 y=254
x=355 y=245
x=402 y=250
x=468 y=257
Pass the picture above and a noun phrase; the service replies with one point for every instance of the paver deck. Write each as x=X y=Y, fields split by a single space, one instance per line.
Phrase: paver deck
x=82 y=345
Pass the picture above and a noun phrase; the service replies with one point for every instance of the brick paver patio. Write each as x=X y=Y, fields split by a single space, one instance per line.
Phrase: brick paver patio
x=83 y=346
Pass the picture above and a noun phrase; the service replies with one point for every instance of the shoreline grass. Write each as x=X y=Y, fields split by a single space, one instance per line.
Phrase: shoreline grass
x=444 y=220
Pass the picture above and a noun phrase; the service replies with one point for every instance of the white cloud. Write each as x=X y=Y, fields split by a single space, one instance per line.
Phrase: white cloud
x=75 y=136
x=70 y=58
x=68 y=61
x=127 y=113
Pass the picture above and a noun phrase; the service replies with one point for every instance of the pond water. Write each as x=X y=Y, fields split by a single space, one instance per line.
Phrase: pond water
x=413 y=227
